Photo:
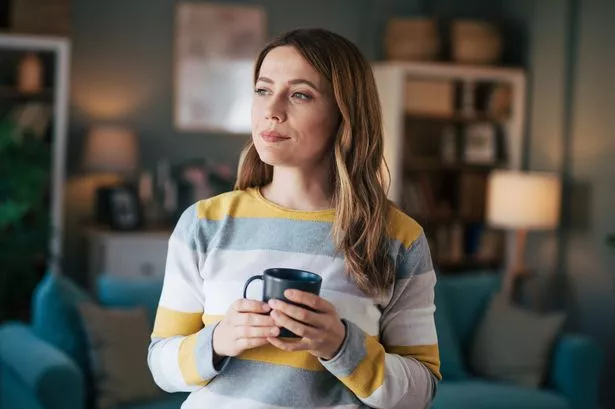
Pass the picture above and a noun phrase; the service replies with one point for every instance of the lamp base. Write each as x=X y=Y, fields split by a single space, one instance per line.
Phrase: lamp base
x=518 y=271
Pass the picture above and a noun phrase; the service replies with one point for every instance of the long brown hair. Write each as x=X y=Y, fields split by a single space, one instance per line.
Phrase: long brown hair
x=361 y=204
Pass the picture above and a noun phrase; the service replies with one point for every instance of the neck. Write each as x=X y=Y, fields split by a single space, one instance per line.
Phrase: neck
x=300 y=190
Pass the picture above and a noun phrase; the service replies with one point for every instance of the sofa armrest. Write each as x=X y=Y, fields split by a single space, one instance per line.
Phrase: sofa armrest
x=49 y=375
x=575 y=371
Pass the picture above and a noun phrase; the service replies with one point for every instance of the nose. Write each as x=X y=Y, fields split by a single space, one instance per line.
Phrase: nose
x=275 y=109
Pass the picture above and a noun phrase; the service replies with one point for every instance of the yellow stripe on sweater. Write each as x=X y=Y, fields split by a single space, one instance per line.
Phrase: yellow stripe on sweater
x=171 y=323
x=428 y=355
x=250 y=204
x=272 y=355
x=187 y=361
x=211 y=319
x=402 y=227
x=369 y=374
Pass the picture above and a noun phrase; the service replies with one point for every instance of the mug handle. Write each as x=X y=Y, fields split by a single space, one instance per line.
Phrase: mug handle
x=245 y=287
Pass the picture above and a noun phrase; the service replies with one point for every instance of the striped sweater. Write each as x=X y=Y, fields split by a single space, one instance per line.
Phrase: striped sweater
x=390 y=354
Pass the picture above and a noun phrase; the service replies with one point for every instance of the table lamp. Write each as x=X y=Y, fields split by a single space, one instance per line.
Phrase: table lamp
x=520 y=202
x=111 y=149
x=114 y=150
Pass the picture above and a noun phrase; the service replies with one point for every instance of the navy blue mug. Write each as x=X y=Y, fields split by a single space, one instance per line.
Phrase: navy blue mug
x=278 y=280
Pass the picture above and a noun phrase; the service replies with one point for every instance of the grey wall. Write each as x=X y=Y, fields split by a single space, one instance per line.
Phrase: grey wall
x=571 y=131
x=122 y=72
x=590 y=166
x=123 y=59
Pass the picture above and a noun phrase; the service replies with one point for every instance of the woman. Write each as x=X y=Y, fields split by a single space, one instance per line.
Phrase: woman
x=309 y=195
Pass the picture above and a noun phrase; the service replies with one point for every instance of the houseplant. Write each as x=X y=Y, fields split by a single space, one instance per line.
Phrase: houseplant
x=24 y=217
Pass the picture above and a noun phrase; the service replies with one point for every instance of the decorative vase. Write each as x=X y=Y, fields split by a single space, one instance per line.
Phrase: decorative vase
x=30 y=74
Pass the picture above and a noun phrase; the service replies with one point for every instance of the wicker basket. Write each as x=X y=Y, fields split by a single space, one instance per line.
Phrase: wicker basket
x=476 y=42
x=412 y=39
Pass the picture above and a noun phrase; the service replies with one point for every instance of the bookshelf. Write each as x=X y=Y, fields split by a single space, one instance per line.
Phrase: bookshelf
x=446 y=128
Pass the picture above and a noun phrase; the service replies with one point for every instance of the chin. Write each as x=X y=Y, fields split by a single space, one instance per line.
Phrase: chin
x=272 y=156
x=274 y=160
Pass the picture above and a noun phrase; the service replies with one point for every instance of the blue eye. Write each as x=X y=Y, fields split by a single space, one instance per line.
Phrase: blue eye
x=301 y=96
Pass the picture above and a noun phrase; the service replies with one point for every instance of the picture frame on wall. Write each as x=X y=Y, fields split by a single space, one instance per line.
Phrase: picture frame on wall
x=215 y=48
x=118 y=207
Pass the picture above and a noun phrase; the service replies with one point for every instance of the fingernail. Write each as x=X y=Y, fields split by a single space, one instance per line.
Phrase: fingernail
x=272 y=303
x=266 y=307
x=274 y=332
x=289 y=293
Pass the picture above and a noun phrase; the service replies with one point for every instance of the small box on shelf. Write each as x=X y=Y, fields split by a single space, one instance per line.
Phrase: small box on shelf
x=430 y=97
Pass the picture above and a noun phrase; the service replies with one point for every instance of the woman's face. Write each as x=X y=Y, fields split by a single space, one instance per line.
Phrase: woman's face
x=294 y=114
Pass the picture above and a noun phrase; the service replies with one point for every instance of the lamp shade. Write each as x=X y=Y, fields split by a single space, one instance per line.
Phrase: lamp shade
x=111 y=149
x=523 y=200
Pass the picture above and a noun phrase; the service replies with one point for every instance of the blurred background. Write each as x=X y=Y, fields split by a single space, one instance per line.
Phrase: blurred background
x=117 y=115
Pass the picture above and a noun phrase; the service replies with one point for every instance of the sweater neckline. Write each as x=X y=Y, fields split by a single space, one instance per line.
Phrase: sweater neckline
x=321 y=212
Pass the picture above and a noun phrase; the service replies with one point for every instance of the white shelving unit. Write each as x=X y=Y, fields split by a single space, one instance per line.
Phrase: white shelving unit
x=391 y=80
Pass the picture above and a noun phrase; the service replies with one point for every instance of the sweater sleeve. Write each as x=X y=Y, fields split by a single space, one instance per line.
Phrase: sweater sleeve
x=180 y=354
x=402 y=367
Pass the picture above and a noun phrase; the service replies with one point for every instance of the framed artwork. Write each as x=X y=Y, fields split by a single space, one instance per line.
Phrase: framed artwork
x=118 y=207
x=215 y=49
x=480 y=145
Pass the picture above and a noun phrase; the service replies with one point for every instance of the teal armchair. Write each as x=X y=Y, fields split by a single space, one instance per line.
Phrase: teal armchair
x=44 y=364
x=35 y=375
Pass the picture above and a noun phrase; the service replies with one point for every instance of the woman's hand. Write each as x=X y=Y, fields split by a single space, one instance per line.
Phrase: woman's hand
x=322 y=332
x=243 y=327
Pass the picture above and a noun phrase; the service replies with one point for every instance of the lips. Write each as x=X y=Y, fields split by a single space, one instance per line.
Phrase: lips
x=273 y=136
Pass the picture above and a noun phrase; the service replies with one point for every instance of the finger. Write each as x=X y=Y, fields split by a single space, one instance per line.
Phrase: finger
x=249 y=343
x=254 y=320
x=290 y=346
x=255 y=332
x=297 y=313
x=310 y=300
x=246 y=305
x=300 y=329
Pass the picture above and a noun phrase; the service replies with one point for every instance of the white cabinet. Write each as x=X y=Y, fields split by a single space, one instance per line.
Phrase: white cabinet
x=139 y=254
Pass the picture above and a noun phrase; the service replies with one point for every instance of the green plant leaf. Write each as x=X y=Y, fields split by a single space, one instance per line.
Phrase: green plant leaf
x=12 y=212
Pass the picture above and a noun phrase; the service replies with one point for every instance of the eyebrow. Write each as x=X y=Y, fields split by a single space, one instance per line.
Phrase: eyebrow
x=293 y=82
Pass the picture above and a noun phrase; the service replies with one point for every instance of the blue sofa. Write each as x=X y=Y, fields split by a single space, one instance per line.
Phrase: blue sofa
x=44 y=365
x=571 y=378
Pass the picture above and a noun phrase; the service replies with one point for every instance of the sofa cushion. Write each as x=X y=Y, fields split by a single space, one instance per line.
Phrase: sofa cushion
x=114 y=291
x=118 y=340
x=451 y=359
x=514 y=344
x=55 y=318
x=476 y=394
